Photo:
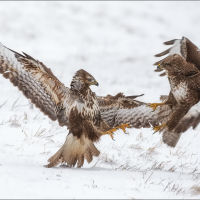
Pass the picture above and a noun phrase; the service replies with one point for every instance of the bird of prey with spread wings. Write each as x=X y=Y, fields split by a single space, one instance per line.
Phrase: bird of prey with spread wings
x=182 y=67
x=86 y=115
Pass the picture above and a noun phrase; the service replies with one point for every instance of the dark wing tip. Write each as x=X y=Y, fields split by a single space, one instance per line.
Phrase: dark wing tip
x=163 y=74
x=170 y=42
x=16 y=53
x=134 y=96
x=163 y=53
x=158 y=70
x=157 y=63
x=29 y=57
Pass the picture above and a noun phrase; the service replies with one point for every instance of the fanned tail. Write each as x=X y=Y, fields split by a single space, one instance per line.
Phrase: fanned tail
x=73 y=152
x=171 y=138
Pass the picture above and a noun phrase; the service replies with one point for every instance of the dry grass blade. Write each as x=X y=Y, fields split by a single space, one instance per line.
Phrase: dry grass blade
x=37 y=130
x=148 y=178
x=3 y=104
x=195 y=190
x=13 y=106
x=14 y=122
x=38 y=134
x=172 y=169
x=135 y=147
x=168 y=185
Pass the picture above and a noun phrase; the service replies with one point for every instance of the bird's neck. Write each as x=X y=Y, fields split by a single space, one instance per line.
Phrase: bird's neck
x=84 y=90
x=86 y=93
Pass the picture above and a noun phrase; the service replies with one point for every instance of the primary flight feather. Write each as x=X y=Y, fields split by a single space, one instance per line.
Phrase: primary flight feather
x=76 y=107
x=182 y=67
x=86 y=115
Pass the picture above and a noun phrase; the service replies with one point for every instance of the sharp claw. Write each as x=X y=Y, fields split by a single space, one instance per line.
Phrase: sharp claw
x=158 y=128
x=123 y=127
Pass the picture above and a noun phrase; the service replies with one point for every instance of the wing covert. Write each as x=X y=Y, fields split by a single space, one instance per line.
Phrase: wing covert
x=113 y=108
x=36 y=81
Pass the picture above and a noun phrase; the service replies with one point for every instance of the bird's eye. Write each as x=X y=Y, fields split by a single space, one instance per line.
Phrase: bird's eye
x=164 y=64
x=91 y=80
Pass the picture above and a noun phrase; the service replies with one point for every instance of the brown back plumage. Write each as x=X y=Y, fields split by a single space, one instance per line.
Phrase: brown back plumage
x=110 y=105
x=190 y=52
x=75 y=107
x=184 y=79
x=185 y=48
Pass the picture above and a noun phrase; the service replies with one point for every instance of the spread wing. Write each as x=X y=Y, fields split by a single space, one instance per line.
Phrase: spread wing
x=185 y=48
x=143 y=116
x=191 y=53
x=191 y=119
x=110 y=105
x=36 y=81
x=120 y=109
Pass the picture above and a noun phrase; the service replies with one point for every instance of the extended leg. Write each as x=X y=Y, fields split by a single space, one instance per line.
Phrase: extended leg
x=110 y=132
x=177 y=115
x=169 y=101
x=155 y=105
x=158 y=128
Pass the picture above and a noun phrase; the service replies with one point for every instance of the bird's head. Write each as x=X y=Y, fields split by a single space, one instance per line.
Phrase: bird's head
x=82 y=79
x=173 y=63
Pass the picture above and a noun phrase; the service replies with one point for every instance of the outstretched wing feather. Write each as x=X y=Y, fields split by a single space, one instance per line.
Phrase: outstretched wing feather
x=117 y=110
x=191 y=119
x=35 y=80
x=183 y=47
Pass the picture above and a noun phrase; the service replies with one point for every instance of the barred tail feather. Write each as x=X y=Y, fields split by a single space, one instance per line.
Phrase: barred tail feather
x=171 y=138
x=73 y=152
x=56 y=159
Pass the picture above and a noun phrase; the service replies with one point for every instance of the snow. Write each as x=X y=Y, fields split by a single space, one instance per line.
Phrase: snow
x=115 y=42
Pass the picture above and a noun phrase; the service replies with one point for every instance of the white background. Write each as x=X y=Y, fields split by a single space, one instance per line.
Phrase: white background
x=116 y=43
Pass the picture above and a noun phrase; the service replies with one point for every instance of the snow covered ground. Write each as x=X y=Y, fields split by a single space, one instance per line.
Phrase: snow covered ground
x=115 y=42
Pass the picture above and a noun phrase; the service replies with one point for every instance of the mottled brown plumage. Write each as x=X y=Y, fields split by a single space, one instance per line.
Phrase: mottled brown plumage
x=121 y=109
x=184 y=79
x=191 y=53
x=76 y=107
x=183 y=47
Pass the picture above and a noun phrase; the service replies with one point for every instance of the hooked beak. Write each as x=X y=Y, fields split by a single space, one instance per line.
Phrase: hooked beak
x=95 y=83
x=160 y=66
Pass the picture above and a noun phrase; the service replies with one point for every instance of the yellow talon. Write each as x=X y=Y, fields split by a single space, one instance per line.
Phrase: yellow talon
x=123 y=126
x=154 y=105
x=110 y=132
x=158 y=128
